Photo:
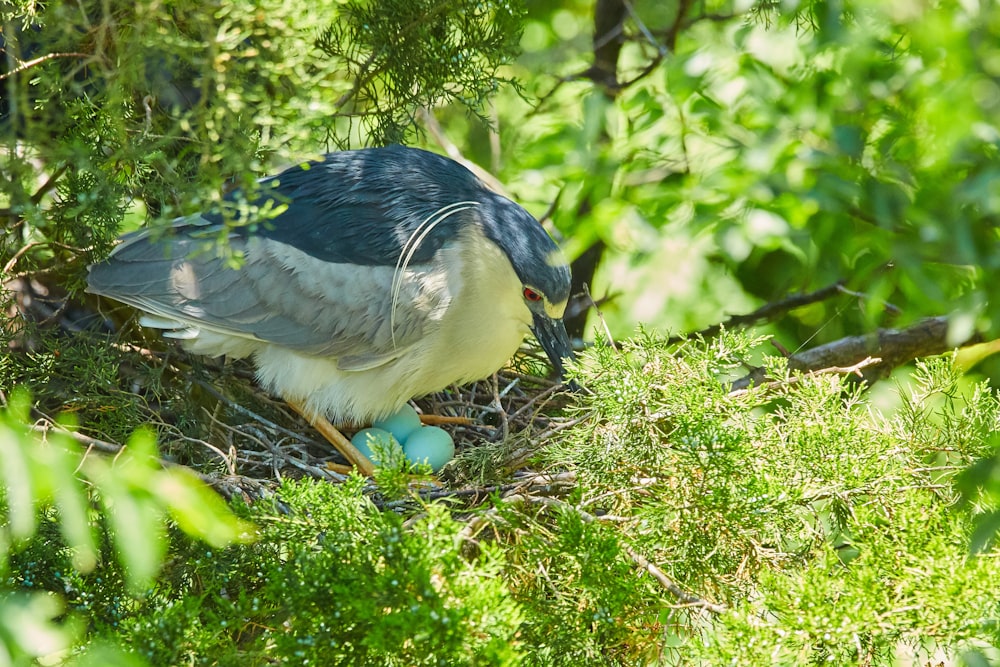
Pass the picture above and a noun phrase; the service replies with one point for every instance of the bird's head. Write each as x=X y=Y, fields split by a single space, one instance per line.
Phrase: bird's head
x=542 y=269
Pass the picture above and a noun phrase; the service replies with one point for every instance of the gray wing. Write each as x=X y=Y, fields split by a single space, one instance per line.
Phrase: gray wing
x=280 y=294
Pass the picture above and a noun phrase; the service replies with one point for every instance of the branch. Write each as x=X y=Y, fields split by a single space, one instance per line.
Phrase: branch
x=49 y=183
x=893 y=348
x=674 y=31
x=687 y=599
x=769 y=311
x=609 y=37
x=39 y=60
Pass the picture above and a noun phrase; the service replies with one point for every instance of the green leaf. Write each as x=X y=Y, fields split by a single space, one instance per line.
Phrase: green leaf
x=976 y=658
x=104 y=654
x=73 y=503
x=29 y=627
x=135 y=515
x=985 y=533
x=137 y=529
x=197 y=509
x=16 y=473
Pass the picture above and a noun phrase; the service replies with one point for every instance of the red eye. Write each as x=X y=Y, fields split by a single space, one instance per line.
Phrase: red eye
x=531 y=295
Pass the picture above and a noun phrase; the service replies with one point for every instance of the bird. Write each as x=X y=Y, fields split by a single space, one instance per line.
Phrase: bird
x=375 y=276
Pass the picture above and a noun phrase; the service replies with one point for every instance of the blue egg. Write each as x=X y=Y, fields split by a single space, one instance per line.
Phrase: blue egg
x=430 y=445
x=401 y=423
x=378 y=445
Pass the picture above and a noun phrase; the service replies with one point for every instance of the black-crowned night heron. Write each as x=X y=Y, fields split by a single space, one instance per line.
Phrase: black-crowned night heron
x=392 y=273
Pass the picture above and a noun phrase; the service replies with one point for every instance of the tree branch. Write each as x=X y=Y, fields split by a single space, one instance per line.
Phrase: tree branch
x=769 y=311
x=39 y=60
x=893 y=348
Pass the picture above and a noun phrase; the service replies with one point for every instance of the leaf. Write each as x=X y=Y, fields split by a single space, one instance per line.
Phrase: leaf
x=16 y=478
x=74 y=507
x=133 y=512
x=985 y=533
x=100 y=654
x=137 y=527
x=975 y=658
x=28 y=627
x=197 y=509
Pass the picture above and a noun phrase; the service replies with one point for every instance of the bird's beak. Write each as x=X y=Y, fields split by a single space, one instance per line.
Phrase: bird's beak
x=552 y=335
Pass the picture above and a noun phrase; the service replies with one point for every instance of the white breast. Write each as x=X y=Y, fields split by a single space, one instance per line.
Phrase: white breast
x=477 y=333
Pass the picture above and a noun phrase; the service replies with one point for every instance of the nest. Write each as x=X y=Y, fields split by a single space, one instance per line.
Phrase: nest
x=212 y=417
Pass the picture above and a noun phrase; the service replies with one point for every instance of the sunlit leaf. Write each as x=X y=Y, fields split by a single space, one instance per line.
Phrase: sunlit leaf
x=73 y=504
x=197 y=509
x=17 y=475
x=29 y=627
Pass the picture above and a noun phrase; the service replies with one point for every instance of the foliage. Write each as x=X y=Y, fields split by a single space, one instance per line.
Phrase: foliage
x=384 y=48
x=770 y=152
x=797 y=523
x=158 y=108
x=332 y=581
x=67 y=514
x=828 y=529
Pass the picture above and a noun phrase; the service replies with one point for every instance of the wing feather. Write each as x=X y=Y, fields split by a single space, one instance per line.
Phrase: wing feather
x=280 y=295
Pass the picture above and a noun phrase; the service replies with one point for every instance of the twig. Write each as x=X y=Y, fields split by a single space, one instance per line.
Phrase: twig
x=227 y=459
x=769 y=311
x=519 y=456
x=452 y=151
x=437 y=420
x=537 y=379
x=661 y=50
x=321 y=472
x=687 y=599
x=28 y=64
x=553 y=206
x=264 y=444
x=247 y=412
x=892 y=308
x=854 y=369
x=91 y=443
x=221 y=485
x=504 y=430
x=49 y=183
x=600 y=316
x=541 y=396
x=538 y=483
x=9 y=266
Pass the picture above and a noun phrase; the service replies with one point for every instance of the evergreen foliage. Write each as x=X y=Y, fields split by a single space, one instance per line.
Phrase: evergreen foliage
x=790 y=524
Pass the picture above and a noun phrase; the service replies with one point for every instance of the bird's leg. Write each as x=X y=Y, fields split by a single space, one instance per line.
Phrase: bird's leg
x=337 y=439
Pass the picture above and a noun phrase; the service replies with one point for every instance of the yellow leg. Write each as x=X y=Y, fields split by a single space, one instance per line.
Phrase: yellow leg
x=338 y=440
